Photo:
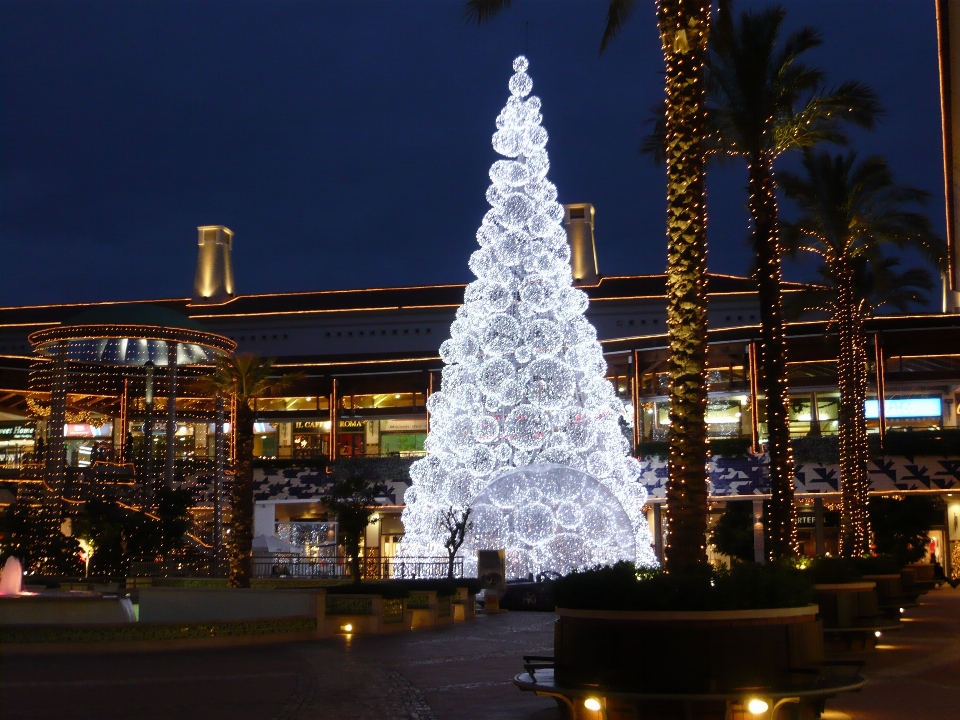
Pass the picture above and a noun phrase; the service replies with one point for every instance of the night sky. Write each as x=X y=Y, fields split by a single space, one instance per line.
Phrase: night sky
x=347 y=144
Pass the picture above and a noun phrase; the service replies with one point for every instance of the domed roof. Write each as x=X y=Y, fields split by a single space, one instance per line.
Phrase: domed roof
x=135 y=314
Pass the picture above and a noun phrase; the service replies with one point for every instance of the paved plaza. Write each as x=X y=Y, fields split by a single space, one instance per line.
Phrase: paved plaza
x=450 y=673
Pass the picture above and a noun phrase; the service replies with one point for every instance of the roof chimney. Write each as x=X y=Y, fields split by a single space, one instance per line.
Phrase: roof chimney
x=213 y=283
x=583 y=249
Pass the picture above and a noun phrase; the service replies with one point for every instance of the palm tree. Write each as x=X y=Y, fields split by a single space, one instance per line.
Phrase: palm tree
x=849 y=212
x=684 y=27
x=761 y=102
x=243 y=377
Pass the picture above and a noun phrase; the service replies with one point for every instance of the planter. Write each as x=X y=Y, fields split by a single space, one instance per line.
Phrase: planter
x=686 y=652
x=890 y=593
x=464 y=605
x=847 y=605
x=918 y=578
x=361 y=614
x=428 y=609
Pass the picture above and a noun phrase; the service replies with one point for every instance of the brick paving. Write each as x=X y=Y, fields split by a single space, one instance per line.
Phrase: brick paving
x=457 y=672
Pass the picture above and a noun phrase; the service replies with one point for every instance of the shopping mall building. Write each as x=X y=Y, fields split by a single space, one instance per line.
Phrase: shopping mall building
x=122 y=373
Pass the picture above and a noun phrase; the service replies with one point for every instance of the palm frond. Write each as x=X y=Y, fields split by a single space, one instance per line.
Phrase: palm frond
x=618 y=12
x=481 y=11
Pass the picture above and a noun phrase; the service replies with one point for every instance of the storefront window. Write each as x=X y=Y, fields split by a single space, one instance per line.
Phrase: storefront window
x=383 y=400
x=292 y=404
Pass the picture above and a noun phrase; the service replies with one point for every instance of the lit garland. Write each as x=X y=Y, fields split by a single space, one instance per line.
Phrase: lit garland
x=525 y=426
x=42 y=412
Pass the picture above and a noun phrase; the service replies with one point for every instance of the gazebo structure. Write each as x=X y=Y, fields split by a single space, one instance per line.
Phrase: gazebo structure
x=130 y=360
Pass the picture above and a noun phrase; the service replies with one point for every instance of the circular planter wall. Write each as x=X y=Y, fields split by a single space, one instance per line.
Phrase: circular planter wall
x=686 y=652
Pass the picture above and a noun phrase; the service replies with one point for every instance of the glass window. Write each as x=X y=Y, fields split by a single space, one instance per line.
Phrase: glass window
x=292 y=404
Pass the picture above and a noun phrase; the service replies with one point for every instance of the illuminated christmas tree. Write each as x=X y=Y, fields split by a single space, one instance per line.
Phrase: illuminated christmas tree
x=525 y=429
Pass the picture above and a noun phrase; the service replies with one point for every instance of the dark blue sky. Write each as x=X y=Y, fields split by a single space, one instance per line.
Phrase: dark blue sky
x=347 y=143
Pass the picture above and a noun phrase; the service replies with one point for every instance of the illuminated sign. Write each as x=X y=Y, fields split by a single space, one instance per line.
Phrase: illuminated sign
x=16 y=432
x=905 y=408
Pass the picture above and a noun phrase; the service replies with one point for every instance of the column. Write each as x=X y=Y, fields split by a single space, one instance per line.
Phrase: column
x=333 y=421
x=881 y=388
x=658 y=531
x=120 y=426
x=759 y=554
x=637 y=411
x=55 y=461
x=171 y=414
x=754 y=405
x=219 y=454
x=818 y=528
x=148 y=433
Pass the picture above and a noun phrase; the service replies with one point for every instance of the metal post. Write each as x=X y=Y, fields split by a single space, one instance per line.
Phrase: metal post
x=759 y=555
x=818 y=528
x=172 y=349
x=881 y=388
x=658 y=531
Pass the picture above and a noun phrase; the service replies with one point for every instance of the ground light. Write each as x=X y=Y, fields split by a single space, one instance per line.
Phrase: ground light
x=877 y=633
x=756 y=706
x=591 y=703
x=347 y=628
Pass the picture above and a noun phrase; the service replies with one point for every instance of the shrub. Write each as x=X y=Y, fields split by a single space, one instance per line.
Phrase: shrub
x=834 y=570
x=746 y=586
x=733 y=533
x=900 y=527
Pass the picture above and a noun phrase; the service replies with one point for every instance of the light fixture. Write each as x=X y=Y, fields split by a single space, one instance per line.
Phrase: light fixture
x=591 y=703
x=347 y=628
x=877 y=633
x=756 y=706
x=901 y=611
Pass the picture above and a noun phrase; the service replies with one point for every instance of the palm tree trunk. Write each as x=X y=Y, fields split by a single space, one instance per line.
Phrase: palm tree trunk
x=684 y=26
x=241 y=524
x=773 y=356
x=854 y=539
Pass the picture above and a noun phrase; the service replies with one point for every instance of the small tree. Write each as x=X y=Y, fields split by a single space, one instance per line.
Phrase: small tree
x=353 y=501
x=455 y=523
x=901 y=527
x=733 y=533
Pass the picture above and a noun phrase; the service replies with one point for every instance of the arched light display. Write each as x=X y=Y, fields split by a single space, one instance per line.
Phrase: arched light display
x=524 y=402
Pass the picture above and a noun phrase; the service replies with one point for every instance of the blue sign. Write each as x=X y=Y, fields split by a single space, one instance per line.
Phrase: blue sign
x=905 y=408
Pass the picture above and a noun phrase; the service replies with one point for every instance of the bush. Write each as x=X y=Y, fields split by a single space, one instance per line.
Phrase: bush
x=834 y=570
x=823 y=449
x=900 y=527
x=914 y=443
x=733 y=533
x=746 y=586
x=388 y=589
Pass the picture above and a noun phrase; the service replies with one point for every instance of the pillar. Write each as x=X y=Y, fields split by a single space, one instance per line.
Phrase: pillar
x=55 y=460
x=333 y=421
x=148 y=432
x=120 y=427
x=754 y=405
x=172 y=349
x=881 y=388
x=658 y=531
x=759 y=554
x=219 y=455
x=818 y=528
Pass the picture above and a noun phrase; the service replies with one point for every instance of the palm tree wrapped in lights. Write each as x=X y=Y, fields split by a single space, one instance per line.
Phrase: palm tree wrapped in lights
x=761 y=102
x=849 y=212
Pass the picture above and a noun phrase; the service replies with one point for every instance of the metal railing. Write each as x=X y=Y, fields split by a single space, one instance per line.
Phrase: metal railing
x=373 y=568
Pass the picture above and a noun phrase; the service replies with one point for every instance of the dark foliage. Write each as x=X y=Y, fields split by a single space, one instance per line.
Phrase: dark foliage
x=353 y=500
x=733 y=533
x=34 y=538
x=746 y=586
x=900 y=527
x=833 y=570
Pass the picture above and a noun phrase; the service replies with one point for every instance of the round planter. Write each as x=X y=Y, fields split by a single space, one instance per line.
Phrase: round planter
x=846 y=605
x=686 y=652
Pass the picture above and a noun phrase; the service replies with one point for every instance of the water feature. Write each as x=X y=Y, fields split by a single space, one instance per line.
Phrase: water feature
x=11 y=579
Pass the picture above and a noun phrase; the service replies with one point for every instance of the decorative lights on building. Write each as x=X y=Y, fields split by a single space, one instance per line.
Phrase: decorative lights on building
x=525 y=423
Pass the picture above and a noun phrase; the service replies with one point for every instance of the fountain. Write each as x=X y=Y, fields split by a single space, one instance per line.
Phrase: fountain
x=11 y=579
x=54 y=607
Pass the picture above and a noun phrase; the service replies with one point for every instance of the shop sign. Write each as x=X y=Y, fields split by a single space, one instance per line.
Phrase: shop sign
x=16 y=432
x=311 y=427
x=418 y=425
x=86 y=430
x=904 y=408
x=350 y=424
x=806 y=520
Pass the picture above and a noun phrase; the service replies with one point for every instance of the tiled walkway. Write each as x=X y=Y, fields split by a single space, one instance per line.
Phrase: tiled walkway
x=459 y=672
